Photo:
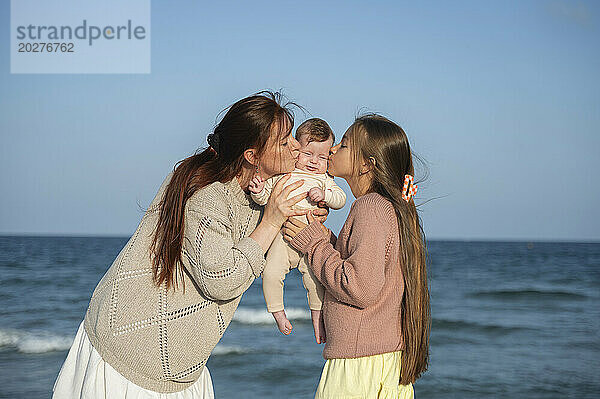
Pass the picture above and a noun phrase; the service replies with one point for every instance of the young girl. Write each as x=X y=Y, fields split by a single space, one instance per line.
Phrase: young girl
x=376 y=306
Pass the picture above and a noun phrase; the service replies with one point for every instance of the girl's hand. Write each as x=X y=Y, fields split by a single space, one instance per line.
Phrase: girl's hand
x=321 y=212
x=279 y=207
x=292 y=227
x=256 y=184
x=316 y=194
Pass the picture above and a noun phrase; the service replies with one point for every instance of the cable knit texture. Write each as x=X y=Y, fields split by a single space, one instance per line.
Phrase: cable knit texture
x=159 y=339
x=362 y=277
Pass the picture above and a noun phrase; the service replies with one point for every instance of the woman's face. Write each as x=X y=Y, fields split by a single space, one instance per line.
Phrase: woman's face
x=340 y=161
x=280 y=156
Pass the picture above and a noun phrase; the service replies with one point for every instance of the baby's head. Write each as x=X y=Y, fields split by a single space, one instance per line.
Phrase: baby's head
x=316 y=139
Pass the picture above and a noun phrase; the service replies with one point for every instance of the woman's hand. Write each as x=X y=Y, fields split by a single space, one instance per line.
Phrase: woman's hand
x=292 y=227
x=279 y=207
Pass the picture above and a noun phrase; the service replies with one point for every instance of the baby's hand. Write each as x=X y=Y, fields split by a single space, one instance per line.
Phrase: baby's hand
x=316 y=194
x=256 y=184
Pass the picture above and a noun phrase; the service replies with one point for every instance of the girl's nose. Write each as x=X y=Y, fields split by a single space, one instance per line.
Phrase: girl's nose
x=333 y=150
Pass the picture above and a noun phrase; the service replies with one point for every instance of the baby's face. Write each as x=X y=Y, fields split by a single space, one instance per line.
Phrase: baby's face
x=314 y=155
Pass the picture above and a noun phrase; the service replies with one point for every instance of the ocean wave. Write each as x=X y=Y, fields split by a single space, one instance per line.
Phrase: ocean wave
x=245 y=315
x=42 y=342
x=528 y=294
x=447 y=338
x=34 y=342
x=468 y=326
x=221 y=350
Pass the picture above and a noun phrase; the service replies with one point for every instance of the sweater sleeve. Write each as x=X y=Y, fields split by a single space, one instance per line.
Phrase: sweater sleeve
x=332 y=238
x=222 y=269
x=335 y=197
x=263 y=197
x=358 y=279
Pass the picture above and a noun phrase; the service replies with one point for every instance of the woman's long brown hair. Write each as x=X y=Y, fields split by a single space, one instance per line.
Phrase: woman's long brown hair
x=247 y=124
x=372 y=135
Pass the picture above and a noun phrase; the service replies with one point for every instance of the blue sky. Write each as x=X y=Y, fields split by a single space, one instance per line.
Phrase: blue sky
x=501 y=100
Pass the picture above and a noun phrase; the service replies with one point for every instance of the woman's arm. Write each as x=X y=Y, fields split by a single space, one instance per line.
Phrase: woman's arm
x=279 y=207
x=222 y=269
x=358 y=279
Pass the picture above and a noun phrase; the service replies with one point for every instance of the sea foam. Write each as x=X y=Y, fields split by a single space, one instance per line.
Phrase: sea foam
x=245 y=315
x=43 y=342
x=34 y=342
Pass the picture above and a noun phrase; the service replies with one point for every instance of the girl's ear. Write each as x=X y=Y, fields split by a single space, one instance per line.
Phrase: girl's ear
x=367 y=166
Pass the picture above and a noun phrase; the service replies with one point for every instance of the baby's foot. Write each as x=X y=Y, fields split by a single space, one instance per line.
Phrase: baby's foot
x=318 y=325
x=283 y=323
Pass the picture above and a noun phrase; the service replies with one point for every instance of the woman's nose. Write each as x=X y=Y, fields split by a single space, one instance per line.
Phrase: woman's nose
x=295 y=143
x=294 y=147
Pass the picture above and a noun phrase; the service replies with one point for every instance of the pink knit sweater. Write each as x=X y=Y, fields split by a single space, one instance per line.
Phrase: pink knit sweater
x=362 y=277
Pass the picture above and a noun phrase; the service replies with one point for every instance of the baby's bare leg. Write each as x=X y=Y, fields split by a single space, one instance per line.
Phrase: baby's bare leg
x=273 y=276
x=282 y=321
x=314 y=294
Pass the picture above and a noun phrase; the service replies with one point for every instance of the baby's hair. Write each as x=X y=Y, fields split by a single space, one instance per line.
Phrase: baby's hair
x=316 y=129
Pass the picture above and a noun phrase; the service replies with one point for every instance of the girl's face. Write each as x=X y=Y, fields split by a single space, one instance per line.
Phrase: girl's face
x=279 y=157
x=340 y=161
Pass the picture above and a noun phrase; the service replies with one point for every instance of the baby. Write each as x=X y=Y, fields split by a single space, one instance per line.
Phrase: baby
x=315 y=138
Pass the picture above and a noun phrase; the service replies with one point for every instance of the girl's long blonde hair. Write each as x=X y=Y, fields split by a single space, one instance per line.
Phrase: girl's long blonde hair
x=373 y=135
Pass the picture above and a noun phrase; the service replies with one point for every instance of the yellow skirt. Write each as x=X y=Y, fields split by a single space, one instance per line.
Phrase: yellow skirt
x=368 y=377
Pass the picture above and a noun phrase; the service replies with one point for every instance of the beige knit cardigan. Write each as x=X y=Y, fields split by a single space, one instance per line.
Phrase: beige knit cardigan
x=159 y=339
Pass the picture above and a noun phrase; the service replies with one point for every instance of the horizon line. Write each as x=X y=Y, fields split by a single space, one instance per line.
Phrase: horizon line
x=524 y=240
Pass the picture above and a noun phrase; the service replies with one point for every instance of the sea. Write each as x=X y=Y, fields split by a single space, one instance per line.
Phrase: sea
x=510 y=320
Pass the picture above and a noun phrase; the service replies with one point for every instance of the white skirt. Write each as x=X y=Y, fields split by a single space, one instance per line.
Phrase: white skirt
x=84 y=374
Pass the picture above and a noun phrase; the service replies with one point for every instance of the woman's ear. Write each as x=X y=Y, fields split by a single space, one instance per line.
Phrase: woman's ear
x=250 y=156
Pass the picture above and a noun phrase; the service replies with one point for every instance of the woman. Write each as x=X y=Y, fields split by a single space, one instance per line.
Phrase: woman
x=165 y=302
x=376 y=306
